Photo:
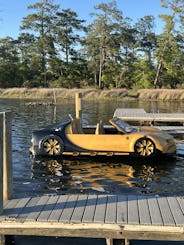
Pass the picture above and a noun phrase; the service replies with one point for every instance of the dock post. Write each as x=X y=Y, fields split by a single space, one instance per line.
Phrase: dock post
x=1 y=162
x=109 y=241
x=2 y=240
x=78 y=105
x=7 y=156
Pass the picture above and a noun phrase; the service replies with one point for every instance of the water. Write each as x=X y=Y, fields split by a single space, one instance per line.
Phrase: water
x=65 y=176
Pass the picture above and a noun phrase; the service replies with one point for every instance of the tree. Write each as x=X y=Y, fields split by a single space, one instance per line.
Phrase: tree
x=146 y=38
x=42 y=23
x=103 y=40
x=67 y=26
x=168 y=50
x=9 y=63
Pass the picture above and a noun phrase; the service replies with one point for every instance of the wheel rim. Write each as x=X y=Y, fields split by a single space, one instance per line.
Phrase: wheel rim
x=145 y=147
x=52 y=146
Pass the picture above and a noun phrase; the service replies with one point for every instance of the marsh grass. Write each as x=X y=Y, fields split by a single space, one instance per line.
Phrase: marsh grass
x=161 y=94
x=61 y=93
x=92 y=94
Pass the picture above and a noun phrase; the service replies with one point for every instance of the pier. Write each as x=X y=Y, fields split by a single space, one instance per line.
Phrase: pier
x=111 y=217
x=140 y=115
x=126 y=217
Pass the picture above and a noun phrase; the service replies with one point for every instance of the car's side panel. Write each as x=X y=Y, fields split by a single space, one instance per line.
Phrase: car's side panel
x=116 y=143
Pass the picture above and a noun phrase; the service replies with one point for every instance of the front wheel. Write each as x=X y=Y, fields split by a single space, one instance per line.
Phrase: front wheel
x=144 y=147
x=52 y=145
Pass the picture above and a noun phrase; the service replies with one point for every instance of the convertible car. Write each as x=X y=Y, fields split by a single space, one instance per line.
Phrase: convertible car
x=118 y=138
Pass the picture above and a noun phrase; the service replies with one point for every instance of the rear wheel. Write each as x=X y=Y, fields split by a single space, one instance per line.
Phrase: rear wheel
x=52 y=145
x=144 y=147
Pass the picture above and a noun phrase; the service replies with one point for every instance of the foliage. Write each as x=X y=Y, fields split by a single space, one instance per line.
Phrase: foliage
x=55 y=48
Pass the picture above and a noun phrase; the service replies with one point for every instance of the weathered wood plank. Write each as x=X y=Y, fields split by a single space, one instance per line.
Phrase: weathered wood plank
x=56 y=213
x=181 y=202
x=100 y=211
x=156 y=217
x=46 y=211
x=29 y=207
x=2 y=240
x=165 y=211
x=9 y=209
x=19 y=206
x=37 y=209
x=111 y=209
x=65 y=215
x=89 y=211
x=176 y=211
x=122 y=209
x=79 y=209
x=133 y=212
x=120 y=112
x=68 y=209
x=109 y=241
x=7 y=156
x=135 y=114
x=144 y=214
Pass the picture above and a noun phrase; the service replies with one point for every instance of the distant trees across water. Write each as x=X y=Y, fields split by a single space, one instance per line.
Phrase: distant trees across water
x=55 y=48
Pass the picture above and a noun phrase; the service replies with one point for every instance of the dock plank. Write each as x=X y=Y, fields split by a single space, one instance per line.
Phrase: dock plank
x=48 y=208
x=100 y=211
x=37 y=209
x=110 y=216
x=122 y=209
x=144 y=213
x=176 y=211
x=20 y=206
x=59 y=207
x=68 y=209
x=136 y=114
x=89 y=211
x=111 y=209
x=9 y=209
x=79 y=209
x=28 y=208
x=133 y=212
x=165 y=211
x=181 y=203
x=156 y=217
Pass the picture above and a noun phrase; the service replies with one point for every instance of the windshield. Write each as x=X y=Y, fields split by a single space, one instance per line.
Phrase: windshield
x=121 y=125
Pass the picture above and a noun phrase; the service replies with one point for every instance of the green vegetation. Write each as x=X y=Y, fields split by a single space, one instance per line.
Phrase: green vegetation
x=55 y=48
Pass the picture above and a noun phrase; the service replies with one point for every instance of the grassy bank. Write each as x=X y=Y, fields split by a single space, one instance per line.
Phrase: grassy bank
x=160 y=94
x=121 y=94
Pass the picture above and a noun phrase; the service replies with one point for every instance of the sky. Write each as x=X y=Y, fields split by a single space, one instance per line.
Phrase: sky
x=13 y=11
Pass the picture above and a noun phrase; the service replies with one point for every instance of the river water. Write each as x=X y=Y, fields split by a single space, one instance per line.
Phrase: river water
x=65 y=176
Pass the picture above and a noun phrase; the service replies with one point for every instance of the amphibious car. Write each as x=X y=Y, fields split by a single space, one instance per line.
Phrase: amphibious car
x=118 y=138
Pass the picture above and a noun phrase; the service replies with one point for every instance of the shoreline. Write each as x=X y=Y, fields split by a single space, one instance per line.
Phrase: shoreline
x=93 y=94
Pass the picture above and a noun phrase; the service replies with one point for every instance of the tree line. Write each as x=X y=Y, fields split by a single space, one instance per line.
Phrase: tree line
x=55 y=48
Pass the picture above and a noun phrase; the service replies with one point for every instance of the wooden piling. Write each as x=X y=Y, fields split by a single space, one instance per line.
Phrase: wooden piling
x=7 y=156
x=78 y=105
x=1 y=163
x=2 y=240
x=109 y=241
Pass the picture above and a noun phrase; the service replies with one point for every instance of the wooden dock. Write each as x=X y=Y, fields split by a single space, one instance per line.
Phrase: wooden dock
x=124 y=217
x=134 y=114
x=110 y=217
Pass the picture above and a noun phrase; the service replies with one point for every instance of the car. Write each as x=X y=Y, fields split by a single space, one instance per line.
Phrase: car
x=116 y=139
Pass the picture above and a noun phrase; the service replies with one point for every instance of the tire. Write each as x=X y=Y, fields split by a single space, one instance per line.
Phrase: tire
x=144 y=147
x=52 y=145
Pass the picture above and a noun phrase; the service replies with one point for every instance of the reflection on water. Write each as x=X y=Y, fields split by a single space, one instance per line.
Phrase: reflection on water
x=39 y=176
x=123 y=175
